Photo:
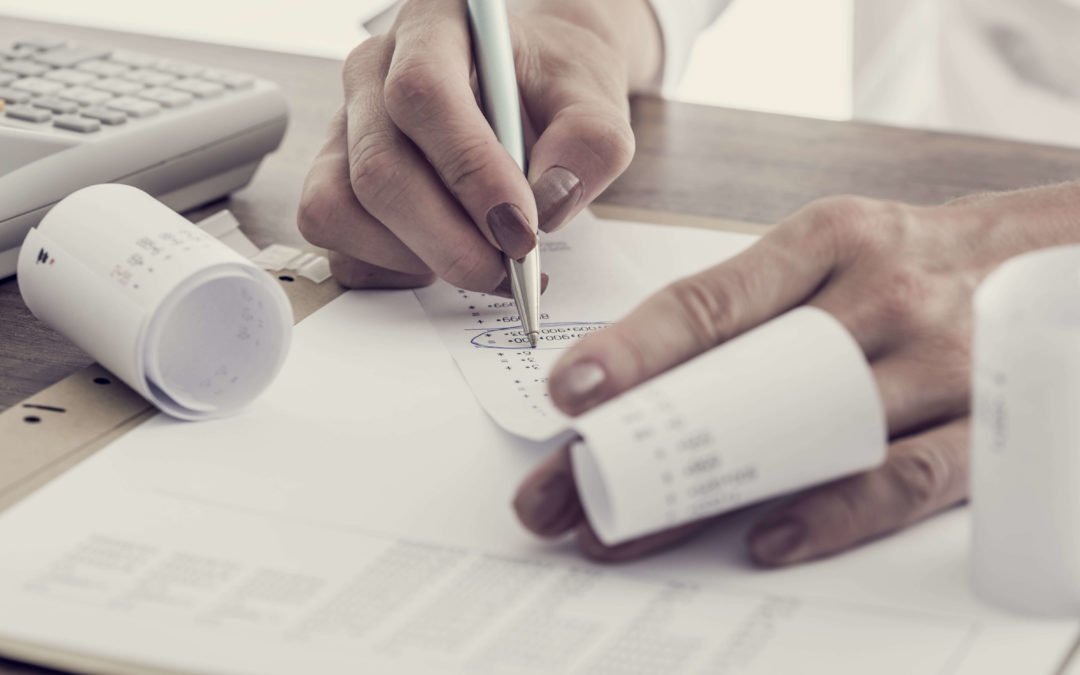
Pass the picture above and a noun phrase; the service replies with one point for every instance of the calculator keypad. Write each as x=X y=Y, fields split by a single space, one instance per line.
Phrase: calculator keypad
x=80 y=88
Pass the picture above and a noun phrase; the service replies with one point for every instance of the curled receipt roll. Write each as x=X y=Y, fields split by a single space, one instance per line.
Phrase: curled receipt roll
x=789 y=404
x=188 y=323
x=1025 y=434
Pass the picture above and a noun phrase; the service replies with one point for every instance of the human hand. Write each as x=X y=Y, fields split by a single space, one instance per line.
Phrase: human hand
x=900 y=278
x=412 y=183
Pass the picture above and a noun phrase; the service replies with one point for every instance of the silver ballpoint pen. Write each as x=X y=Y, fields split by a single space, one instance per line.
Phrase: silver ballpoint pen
x=494 y=55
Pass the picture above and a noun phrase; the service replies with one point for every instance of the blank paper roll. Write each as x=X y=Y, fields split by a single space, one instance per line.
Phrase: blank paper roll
x=188 y=323
x=790 y=404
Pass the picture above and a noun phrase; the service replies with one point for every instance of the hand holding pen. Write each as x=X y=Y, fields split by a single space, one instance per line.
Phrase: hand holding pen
x=413 y=184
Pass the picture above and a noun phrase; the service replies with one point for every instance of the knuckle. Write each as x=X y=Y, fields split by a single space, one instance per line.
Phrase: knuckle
x=375 y=168
x=843 y=220
x=464 y=162
x=707 y=309
x=364 y=55
x=468 y=267
x=610 y=139
x=410 y=90
x=920 y=473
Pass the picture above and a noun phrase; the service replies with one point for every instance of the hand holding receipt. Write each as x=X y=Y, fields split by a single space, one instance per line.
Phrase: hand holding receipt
x=498 y=89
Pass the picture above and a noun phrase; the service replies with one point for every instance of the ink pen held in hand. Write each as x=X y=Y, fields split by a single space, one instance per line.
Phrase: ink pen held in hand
x=494 y=56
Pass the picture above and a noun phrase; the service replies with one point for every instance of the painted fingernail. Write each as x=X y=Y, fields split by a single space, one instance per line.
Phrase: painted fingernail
x=780 y=543
x=544 y=279
x=557 y=192
x=548 y=507
x=511 y=230
x=579 y=387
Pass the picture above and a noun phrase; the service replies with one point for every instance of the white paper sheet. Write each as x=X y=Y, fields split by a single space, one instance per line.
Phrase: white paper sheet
x=182 y=319
x=357 y=518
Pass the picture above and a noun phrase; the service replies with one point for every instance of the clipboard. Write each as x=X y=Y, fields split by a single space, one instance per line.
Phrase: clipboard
x=60 y=426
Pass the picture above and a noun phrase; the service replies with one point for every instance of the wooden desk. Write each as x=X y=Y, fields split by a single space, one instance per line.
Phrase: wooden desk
x=698 y=161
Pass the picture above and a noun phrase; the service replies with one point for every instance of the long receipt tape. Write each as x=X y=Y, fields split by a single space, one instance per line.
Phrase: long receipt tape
x=721 y=431
x=191 y=325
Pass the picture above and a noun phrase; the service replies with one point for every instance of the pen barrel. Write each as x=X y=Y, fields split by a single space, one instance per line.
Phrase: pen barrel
x=493 y=52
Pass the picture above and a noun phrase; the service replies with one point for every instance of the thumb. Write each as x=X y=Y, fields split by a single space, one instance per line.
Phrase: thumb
x=586 y=145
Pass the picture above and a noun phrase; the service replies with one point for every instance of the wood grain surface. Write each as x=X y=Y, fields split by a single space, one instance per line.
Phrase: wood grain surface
x=693 y=160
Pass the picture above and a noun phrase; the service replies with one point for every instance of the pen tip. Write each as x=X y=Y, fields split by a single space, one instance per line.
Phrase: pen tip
x=534 y=338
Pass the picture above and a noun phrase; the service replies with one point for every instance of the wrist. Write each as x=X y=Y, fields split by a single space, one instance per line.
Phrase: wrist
x=627 y=26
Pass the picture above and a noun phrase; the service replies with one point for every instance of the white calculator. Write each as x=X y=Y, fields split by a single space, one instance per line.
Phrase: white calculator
x=78 y=114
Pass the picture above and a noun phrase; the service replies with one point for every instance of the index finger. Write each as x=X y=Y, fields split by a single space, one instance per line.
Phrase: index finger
x=694 y=314
x=429 y=96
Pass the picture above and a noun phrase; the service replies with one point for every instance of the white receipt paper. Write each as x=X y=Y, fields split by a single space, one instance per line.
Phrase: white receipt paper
x=699 y=440
x=188 y=323
x=792 y=403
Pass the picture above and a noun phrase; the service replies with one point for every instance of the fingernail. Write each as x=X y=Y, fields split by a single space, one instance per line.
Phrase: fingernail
x=780 y=543
x=548 y=507
x=544 y=279
x=511 y=230
x=557 y=192
x=579 y=387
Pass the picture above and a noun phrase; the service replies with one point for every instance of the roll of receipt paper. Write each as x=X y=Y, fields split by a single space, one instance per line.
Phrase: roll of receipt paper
x=188 y=323
x=785 y=406
x=1025 y=434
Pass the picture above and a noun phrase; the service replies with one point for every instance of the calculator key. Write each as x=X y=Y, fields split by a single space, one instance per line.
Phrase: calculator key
x=85 y=95
x=7 y=78
x=170 y=98
x=228 y=78
x=134 y=107
x=12 y=52
x=24 y=68
x=133 y=59
x=200 y=88
x=55 y=105
x=103 y=68
x=179 y=68
x=72 y=77
x=8 y=95
x=76 y=123
x=71 y=55
x=37 y=86
x=40 y=42
x=28 y=113
x=151 y=78
x=115 y=85
x=104 y=115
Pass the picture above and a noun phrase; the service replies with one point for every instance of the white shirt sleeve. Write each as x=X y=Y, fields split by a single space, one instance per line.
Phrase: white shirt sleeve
x=680 y=23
